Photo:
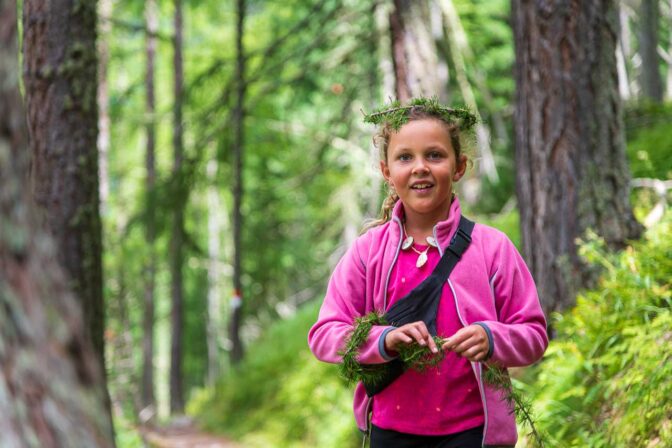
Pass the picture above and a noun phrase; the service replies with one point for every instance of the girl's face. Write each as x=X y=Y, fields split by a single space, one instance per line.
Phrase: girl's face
x=421 y=166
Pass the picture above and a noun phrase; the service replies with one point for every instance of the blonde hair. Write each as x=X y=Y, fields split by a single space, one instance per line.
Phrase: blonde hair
x=382 y=141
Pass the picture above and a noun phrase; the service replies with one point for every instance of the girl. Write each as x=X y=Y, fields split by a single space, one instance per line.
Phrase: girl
x=488 y=309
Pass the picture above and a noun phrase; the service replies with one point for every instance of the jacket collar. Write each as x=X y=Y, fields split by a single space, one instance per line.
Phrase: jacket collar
x=443 y=230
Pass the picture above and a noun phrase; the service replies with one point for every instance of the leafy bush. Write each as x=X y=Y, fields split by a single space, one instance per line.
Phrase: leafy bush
x=281 y=395
x=606 y=380
x=649 y=143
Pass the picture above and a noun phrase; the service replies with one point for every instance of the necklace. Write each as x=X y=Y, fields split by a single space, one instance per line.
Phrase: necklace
x=422 y=255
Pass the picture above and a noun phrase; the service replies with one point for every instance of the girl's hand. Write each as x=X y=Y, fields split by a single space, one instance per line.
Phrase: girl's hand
x=469 y=342
x=415 y=331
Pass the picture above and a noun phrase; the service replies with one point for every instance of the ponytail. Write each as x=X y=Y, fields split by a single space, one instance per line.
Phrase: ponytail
x=385 y=211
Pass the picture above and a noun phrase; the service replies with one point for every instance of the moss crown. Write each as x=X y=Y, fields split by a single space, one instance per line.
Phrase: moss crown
x=396 y=115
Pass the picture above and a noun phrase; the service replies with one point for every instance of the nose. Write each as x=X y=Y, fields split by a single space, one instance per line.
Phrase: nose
x=420 y=166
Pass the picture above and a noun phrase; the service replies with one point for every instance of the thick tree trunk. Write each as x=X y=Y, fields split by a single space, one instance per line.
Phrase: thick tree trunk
x=60 y=73
x=650 y=79
x=572 y=173
x=152 y=23
x=177 y=239
x=238 y=153
x=52 y=392
x=60 y=77
x=416 y=65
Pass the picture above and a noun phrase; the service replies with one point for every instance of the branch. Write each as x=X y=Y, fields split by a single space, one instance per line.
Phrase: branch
x=658 y=185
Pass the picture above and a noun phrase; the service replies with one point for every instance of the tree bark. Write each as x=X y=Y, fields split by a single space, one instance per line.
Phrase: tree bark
x=60 y=73
x=416 y=64
x=52 y=391
x=60 y=77
x=650 y=79
x=152 y=22
x=572 y=173
x=238 y=154
x=177 y=239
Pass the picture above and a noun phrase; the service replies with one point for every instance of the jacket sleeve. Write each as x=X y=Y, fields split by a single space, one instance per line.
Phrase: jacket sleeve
x=344 y=301
x=519 y=335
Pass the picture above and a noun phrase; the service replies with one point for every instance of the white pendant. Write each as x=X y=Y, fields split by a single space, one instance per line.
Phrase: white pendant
x=431 y=241
x=422 y=259
x=408 y=242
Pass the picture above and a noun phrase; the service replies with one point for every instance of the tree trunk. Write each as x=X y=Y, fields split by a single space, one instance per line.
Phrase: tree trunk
x=238 y=153
x=461 y=52
x=105 y=10
x=668 y=81
x=60 y=72
x=650 y=79
x=60 y=77
x=152 y=22
x=216 y=225
x=416 y=65
x=621 y=54
x=176 y=242
x=572 y=173
x=52 y=392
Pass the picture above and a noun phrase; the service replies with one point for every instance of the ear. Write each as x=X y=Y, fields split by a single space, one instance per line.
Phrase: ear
x=385 y=170
x=461 y=168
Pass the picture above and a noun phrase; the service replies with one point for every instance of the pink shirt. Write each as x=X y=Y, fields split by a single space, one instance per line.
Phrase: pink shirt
x=439 y=401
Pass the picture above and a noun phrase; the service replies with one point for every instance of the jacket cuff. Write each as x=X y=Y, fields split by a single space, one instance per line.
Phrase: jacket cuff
x=381 y=344
x=491 y=341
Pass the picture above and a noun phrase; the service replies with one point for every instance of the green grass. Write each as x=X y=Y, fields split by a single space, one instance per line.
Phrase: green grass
x=281 y=396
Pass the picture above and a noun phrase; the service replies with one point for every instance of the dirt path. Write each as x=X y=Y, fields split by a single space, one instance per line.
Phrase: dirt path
x=183 y=437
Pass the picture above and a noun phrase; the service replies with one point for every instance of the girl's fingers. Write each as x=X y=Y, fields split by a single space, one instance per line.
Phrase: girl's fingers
x=404 y=338
x=473 y=353
x=416 y=331
x=473 y=342
x=455 y=340
x=427 y=338
x=417 y=335
x=432 y=345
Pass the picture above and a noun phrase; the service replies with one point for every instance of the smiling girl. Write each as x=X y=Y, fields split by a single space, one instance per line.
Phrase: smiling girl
x=486 y=311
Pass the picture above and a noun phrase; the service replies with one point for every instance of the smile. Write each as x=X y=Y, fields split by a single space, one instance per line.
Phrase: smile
x=421 y=186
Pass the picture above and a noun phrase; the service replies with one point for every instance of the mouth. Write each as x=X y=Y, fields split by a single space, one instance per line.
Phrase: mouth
x=422 y=186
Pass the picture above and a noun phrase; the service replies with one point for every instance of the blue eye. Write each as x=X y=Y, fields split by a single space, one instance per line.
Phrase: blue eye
x=434 y=155
x=405 y=157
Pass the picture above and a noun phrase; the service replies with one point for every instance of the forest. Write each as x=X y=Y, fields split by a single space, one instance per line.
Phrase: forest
x=178 y=180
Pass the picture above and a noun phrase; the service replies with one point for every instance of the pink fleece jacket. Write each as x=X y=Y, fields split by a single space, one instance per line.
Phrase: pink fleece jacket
x=491 y=285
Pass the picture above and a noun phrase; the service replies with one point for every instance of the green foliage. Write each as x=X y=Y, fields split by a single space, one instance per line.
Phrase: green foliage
x=516 y=399
x=414 y=355
x=508 y=222
x=281 y=395
x=607 y=378
x=649 y=143
x=349 y=368
x=125 y=434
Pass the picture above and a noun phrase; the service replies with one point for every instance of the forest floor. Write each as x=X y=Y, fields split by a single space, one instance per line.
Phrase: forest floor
x=183 y=436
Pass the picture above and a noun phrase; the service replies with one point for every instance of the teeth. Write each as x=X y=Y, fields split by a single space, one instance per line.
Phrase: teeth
x=420 y=186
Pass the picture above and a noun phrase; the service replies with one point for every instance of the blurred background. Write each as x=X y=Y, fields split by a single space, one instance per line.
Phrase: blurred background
x=235 y=170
